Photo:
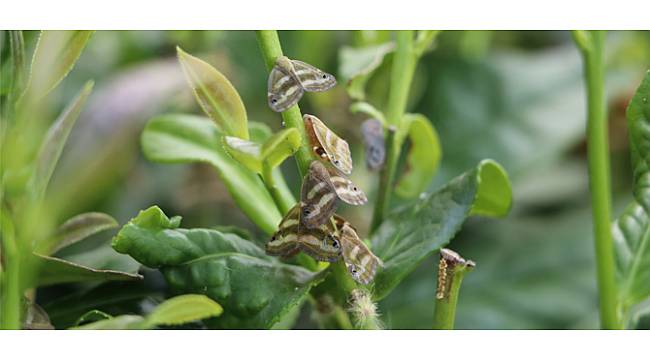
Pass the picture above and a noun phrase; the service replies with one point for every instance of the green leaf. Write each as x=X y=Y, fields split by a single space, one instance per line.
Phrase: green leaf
x=183 y=309
x=357 y=65
x=280 y=146
x=55 y=139
x=368 y=109
x=186 y=138
x=122 y=322
x=247 y=153
x=216 y=95
x=255 y=290
x=423 y=157
x=92 y=316
x=80 y=227
x=55 y=55
x=58 y=271
x=175 y=311
x=412 y=233
x=631 y=232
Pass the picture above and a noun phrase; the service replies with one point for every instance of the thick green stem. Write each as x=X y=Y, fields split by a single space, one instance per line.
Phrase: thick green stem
x=270 y=46
x=283 y=202
x=451 y=271
x=10 y=309
x=592 y=44
x=400 y=83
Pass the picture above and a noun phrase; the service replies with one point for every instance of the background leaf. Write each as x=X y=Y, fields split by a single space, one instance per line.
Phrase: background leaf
x=216 y=95
x=55 y=139
x=631 y=232
x=183 y=309
x=423 y=156
x=413 y=232
x=247 y=153
x=56 y=271
x=55 y=55
x=80 y=227
x=185 y=138
x=357 y=64
x=255 y=290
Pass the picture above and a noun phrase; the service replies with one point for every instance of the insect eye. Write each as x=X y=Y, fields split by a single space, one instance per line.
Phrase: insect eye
x=306 y=211
x=354 y=270
x=354 y=188
x=336 y=162
x=324 y=76
x=335 y=244
x=273 y=238
x=274 y=101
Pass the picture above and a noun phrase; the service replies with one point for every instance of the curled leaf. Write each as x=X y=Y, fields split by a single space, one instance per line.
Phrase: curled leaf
x=216 y=95
x=423 y=156
x=255 y=290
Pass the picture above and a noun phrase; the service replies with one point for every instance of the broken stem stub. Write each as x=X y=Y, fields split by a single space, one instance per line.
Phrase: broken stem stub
x=451 y=270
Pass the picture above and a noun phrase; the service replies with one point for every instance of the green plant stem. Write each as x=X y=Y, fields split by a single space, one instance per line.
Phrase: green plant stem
x=599 y=173
x=456 y=267
x=283 y=203
x=445 y=310
x=10 y=308
x=400 y=83
x=270 y=46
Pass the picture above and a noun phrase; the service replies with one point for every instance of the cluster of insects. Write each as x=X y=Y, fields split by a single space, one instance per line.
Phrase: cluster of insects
x=312 y=226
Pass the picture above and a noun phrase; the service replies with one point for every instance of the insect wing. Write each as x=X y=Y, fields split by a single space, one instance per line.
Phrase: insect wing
x=327 y=145
x=321 y=243
x=361 y=263
x=284 y=91
x=285 y=241
x=346 y=190
x=312 y=78
x=318 y=196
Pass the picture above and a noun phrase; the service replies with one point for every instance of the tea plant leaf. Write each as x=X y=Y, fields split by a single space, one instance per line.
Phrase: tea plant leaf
x=175 y=311
x=216 y=95
x=92 y=316
x=423 y=157
x=55 y=55
x=183 y=309
x=55 y=139
x=176 y=138
x=357 y=65
x=631 y=232
x=280 y=146
x=122 y=322
x=254 y=289
x=80 y=227
x=413 y=232
x=248 y=153
x=58 y=271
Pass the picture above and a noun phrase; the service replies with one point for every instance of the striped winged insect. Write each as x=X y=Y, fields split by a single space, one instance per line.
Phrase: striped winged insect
x=289 y=79
x=322 y=243
x=361 y=263
x=318 y=196
x=327 y=145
